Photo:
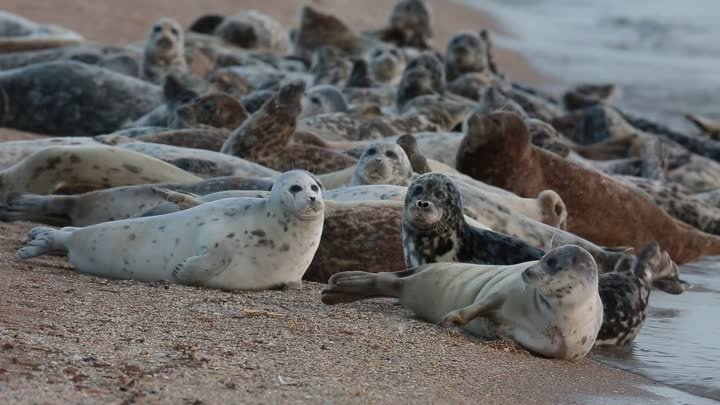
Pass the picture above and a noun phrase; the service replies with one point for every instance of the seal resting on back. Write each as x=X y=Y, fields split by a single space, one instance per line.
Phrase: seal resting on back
x=235 y=243
x=551 y=307
x=497 y=150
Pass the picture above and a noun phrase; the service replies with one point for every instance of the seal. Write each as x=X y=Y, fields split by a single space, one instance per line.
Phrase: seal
x=418 y=162
x=114 y=203
x=386 y=63
x=18 y=34
x=203 y=163
x=330 y=66
x=625 y=293
x=83 y=168
x=469 y=52
x=410 y=25
x=164 y=52
x=323 y=99
x=254 y=30
x=678 y=202
x=606 y=212
x=383 y=163
x=72 y=98
x=708 y=126
x=423 y=75
x=319 y=29
x=434 y=229
x=207 y=138
x=551 y=307
x=230 y=244
x=218 y=110
x=119 y=59
x=15 y=151
x=264 y=138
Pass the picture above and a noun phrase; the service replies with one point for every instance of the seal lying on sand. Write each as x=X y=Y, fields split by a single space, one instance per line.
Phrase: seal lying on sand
x=18 y=34
x=71 y=98
x=550 y=307
x=497 y=150
x=242 y=243
x=83 y=168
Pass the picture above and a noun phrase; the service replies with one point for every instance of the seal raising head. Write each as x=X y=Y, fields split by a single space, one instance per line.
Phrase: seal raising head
x=422 y=76
x=466 y=52
x=383 y=163
x=164 y=52
x=435 y=230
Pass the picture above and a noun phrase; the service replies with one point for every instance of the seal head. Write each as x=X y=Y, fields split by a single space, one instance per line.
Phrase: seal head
x=164 y=52
x=298 y=193
x=383 y=163
x=424 y=75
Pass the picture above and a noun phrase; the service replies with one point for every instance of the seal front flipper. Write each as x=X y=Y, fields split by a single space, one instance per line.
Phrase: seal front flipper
x=463 y=316
x=196 y=270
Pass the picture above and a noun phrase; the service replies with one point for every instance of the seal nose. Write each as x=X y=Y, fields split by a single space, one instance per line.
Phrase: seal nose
x=164 y=42
x=312 y=198
x=423 y=204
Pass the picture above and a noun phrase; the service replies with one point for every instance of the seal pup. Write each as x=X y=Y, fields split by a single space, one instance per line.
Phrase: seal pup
x=164 y=52
x=551 y=307
x=434 y=229
x=622 y=217
x=625 y=293
x=81 y=168
x=72 y=98
x=230 y=244
x=383 y=163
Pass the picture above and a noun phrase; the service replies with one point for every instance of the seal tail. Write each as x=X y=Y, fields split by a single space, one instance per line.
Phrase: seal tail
x=48 y=209
x=42 y=241
x=351 y=286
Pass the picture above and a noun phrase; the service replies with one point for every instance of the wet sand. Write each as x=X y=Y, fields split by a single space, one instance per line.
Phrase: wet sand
x=69 y=338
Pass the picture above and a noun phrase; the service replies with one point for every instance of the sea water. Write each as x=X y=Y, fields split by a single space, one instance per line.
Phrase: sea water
x=665 y=57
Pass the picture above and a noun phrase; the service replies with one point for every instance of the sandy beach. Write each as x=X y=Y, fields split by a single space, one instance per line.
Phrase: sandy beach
x=69 y=338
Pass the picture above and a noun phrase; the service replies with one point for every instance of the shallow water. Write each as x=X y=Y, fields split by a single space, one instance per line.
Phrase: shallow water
x=665 y=56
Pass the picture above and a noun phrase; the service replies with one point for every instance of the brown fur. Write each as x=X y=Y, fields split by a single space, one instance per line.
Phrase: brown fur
x=197 y=138
x=359 y=237
x=497 y=150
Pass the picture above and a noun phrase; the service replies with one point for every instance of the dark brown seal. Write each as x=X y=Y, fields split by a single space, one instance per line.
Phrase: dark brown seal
x=497 y=150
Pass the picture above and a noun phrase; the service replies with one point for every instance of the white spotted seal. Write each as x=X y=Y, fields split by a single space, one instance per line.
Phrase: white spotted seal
x=551 y=307
x=72 y=98
x=82 y=168
x=164 y=52
x=235 y=243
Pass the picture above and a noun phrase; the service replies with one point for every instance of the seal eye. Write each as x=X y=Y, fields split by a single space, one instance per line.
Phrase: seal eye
x=391 y=154
x=295 y=189
x=157 y=28
x=315 y=100
x=371 y=151
x=551 y=263
x=418 y=190
x=439 y=195
x=377 y=53
x=394 y=52
x=174 y=31
x=314 y=188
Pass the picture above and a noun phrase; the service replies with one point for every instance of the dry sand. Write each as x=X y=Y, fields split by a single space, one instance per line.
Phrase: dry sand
x=69 y=338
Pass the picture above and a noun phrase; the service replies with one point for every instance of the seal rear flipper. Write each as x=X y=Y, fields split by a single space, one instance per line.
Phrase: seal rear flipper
x=351 y=286
x=196 y=270
x=47 y=209
x=43 y=241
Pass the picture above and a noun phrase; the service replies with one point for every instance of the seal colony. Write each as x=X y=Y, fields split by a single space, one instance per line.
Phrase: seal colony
x=240 y=154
